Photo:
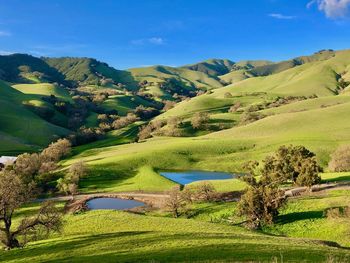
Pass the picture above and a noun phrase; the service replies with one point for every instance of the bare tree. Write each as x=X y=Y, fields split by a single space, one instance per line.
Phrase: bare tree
x=175 y=204
x=13 y=194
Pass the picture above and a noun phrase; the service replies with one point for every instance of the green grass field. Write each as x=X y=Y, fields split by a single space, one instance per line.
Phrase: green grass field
x=118 y=163
x=112 y=235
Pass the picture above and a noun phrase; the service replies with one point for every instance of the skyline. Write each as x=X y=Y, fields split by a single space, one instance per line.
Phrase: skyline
x=174 y=34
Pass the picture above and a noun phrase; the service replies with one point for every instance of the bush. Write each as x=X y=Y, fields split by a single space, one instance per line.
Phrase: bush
x=234 y=107
x=249 y=117
x=340 y=159
x=199 y=120
x=227 y=95
x=205 y=191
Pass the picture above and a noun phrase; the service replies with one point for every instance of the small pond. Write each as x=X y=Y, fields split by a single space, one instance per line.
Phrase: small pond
x=187 y=177
x=112 y=204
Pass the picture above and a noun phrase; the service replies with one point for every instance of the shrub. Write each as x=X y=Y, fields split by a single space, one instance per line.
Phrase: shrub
x=249 y=117
x=199 y=120
x=227 y=95
x=205 y=191
x=234 y=107
x=340 y=159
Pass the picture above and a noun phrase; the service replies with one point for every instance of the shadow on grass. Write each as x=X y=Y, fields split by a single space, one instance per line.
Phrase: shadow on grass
x=149 y=246
x=297 y=216
x=338 y=179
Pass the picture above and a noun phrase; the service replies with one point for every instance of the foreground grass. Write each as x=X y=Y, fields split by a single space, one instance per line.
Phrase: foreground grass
x=305 y=217
x=111 y=236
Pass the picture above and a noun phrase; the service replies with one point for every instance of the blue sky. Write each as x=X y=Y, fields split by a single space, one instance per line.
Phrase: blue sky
x=133 y=33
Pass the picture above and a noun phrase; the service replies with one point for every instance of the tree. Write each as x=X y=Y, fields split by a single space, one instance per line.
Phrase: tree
x=188 y=194
x=291 y=162
x=263 y=198
x=168 y=104
x=13 y=194
x=31 y=166
x=55 y=151
x=260 y=202
x=175 y=204
x=340 y=159
x=205 y=191
x=199 y=120
x=145 y=132
x=234 y=107
x=69 y=184
x=27 y=166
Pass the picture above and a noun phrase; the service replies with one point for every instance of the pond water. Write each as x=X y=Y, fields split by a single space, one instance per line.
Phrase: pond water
x=187 y=177
x=112 y=204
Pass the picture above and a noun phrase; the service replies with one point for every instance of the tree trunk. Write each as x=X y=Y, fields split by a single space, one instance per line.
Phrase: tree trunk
x=10 y=240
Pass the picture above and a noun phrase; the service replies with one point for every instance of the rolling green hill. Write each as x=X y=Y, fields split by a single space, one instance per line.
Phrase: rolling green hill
x=319 y=123
x=165 y=81
x=43 y=89
x=212 y=67
x=22 y=68
x=20 y=128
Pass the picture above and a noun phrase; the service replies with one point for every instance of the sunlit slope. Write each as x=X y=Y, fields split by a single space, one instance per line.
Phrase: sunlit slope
x=20 y=125
x=320 y=78
x=43 y=89
x=243 y=70
x=190 y=78
x=114 y=236
x=212 y=67
x=321 y=129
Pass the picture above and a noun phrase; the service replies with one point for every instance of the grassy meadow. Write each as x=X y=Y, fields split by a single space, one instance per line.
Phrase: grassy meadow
x=121 y=163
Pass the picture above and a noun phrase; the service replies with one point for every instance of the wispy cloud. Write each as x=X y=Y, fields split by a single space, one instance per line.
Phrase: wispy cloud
x=332 y=8
x=5 y=33
x=6 y=52
x=152 y=40
x=280 y=16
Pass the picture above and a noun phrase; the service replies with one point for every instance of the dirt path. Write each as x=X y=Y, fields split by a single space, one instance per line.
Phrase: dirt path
x=295 y=191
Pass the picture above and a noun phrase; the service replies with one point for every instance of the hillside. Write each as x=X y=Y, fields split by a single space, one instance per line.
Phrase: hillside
x=21 y=129
x=164 y=81
x=23 y=68
x=255 y=83
x=88 y=71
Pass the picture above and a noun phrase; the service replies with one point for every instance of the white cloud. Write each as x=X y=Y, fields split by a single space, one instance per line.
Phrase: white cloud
x=332 y=8
x=156 y=40
x=152 y=40
x=5 y=34
x=5 y=52
x=280 y=16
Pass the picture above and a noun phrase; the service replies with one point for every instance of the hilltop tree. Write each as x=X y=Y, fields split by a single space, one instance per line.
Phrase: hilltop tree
x=13 y=194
